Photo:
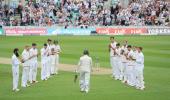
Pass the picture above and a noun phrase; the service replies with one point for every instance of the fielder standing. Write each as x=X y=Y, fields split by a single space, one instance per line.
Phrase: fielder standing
x=130 y=66
x=44 y=62
x=112 y=47
x=53 y=61
x=139 y=69
x=34 y=64
x=49 y=63
x=58 y=51
x=26 y=66
x=118 y=67
x=15 y=69
x=124 y=52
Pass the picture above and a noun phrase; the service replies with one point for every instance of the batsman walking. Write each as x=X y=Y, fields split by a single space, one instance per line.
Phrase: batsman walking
x=84 y=68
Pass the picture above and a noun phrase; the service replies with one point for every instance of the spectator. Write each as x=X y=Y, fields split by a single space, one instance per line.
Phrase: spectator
x=78 y=13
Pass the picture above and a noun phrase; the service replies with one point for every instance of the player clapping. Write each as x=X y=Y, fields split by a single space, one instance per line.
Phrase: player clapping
x=131 y=67
x=44 y=62
x=56 y=50
x=112 y=47
x=26 y=65
x=33 y=64
x=127 y=63
x=139 y=69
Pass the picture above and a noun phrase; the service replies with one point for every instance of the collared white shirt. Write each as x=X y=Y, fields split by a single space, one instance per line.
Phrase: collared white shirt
x=25 y=57
x=32 y=53
x=44 y=54
x=49 y=47
x=56 y=48
x=131 y=54
x=15 y=61
x=113 y=45
x=140 y=58
x=118 y=51
x=85 y=64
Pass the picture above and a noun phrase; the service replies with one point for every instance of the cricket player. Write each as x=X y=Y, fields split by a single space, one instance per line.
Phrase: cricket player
x=124 y=46
x=34 y=63
x=53 y=61
x=44 y=62
x=130 y=66
x=85 y=67
x=124 y=61
x=118 y=68
x=135 y=53
x=112 y=47
x=15 y=69
x=49 y=63
x=58 y=51
x=139 y=69
x=26 y=65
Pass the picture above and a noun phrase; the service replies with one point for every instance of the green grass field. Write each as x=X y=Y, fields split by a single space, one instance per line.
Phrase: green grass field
x=61 y=87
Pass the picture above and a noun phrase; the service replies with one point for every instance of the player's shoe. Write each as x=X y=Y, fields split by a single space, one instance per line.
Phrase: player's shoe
x=35 y=81
x=86 y=91
x=23 y=86
x=16 y=90
x=142 y=88
x=82 y=90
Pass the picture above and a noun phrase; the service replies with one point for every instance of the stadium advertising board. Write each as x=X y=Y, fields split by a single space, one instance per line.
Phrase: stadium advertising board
x=1 y=31
x=25 y=31
x=21 y=30
x=122 y=31
x=159 y=31
x=70 y=31
x=53 y=31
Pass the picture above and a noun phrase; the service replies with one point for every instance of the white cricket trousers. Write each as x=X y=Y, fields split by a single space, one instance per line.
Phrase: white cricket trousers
x=53 y=63
x=15 y=74
x=139 y=76
x=44 y=70
x=113 y=64
x=118 y=68
x=49 y=64
x=125 y=72
x=25 y=76
x=131 y=75
x=84 y=81
x=56 y=64
x=33 y=71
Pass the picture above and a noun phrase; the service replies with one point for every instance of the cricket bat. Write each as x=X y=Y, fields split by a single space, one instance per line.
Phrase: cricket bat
x=75 y=78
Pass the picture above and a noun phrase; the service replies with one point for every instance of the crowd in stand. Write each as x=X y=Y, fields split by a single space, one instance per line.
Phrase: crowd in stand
x=140 y=12
x=79 y=13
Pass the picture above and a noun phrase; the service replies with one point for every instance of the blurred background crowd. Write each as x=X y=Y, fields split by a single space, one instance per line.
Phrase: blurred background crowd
x=80 y=13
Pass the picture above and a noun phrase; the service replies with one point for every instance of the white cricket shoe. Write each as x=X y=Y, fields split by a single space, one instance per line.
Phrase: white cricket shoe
x=82 y=90
x=142 y=88
x=17 y=90
x=86 y=91
x=23 y=86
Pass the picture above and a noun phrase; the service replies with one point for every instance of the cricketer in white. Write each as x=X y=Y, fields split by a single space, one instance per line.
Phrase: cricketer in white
x=139 y=69
x=85 y=67
x=26 y=66
x=55 y=57
x=33 y=64
x=49 y=63
x=15 y=69
x=112 y=47
x=44 y=62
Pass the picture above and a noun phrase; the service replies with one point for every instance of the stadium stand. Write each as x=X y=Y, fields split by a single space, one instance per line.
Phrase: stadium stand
x=80 y=13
